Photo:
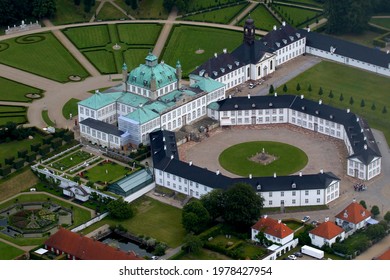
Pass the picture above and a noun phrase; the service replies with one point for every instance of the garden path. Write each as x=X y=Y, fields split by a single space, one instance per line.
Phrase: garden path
x=158 y=47
x=299 y=6
x=102 y=2
x=23 y=248
x=120 y=9
x=244 y=12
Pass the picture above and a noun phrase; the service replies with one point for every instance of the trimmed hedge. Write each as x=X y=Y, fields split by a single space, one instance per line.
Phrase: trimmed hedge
x=47 y=139
x=22 y=153
x=4 y=171
x=56 y=143
x=18 y=163
x=45 y=149
x=35 y=147
x=30 y=157
x=9 y=160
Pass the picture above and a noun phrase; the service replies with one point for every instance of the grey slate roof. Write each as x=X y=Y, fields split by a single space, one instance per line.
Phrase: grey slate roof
x=358 y=131
x=162 y=160
x=102 y=126
x=347 y=49
x=281 y=37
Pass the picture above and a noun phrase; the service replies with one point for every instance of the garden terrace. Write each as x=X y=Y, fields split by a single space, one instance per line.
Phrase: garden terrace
x=14 y=91
x=263 y=18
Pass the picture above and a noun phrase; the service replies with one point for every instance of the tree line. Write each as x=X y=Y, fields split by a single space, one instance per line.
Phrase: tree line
x=14 y=11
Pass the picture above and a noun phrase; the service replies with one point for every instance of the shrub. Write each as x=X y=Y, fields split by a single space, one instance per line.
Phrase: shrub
x=35 y=147
x=22 y=153
x=4 y=171
x=18 y=163
x=331 y=94
x=56 y=143
x=45 y=149
x=362 y=103
x=341 y=97
x=320 y=91
x=9 y=160
x=47 y=139
x=30 y=157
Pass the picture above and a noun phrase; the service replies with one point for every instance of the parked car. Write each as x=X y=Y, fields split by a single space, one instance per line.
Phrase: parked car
x=298 y=254
x=292 y=257
x=305 y=219
x=251 y=85
x=314 y=223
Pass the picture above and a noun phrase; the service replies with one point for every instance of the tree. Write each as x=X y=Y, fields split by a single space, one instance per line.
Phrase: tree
x=271 y=89
x=351 y=100
x=375 y=211
x=376 y=232
x=373 y=107
x=87 y=5
x=242 y=205
x=384 y=110
x=309 y=88
x=192 y=243
x=298 y=87
x=214 y=203
x=44 y=8
x=195 y=217
x=362 y=103
x=363 y=203
x=134 y=4
x=120 y=209
x=285 y=88
x=320 y=91
x=341 y=97
x=387 y=217
x=77 y=2
x=331 y=94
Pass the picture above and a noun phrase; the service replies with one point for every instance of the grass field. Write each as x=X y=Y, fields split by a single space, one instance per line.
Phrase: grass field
x=14 y=91
x=303 y=2
x=16 y=114
x=12 y=148
x=351 y=82
x=68 y=12
x=71 y=160
x=46 y=118
x=195 y=5
x=70 y=107
x=148 y=9
x=289 y=160
x=150 y=213
x=110 y=12
x=263 y=18
x=96 y=43
x=8 y=252
x=224 y=15
x=384 y=22
x=203 y=254
x=109 y=172
x=36 y=53
x=185 y=40
x=14 y=184
x=295 y=16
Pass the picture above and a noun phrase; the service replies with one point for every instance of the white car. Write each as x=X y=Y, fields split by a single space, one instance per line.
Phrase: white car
x=292 y=257
x=305 y=219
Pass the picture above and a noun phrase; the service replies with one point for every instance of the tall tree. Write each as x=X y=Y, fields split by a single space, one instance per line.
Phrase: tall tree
x=214 y=203
x=195 y=217
x=120 y=209
x=44 y=8
x=242 y=205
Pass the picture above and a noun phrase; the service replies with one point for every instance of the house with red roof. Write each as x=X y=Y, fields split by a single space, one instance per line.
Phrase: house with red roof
x=78 y=247
x=353 y=217
x=384 y=256
x=326 y=234
x=273 y=230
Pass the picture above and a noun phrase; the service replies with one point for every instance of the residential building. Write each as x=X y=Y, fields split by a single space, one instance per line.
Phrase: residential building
x=326 y=233
x=274 y=230
x=353 y=217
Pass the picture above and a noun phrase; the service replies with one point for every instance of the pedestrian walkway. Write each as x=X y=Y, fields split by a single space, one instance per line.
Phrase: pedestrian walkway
x=164 y=34
x=244 y=13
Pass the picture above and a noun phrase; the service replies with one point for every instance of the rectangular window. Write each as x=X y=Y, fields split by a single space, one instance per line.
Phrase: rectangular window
x=281 y=193
x=293 y=201
x=318 y=200
x=306 y=192
x=318 y=192
x=270 y=194
x=306 y=201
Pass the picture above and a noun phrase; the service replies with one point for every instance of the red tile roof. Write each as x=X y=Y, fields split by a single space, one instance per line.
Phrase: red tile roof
x=384 y=256
x=273 y=227
x=327 y=230
x=354 y=213
x=85 y=248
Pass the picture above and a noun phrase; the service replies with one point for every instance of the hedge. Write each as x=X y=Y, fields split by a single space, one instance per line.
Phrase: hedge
x=35 y=147
x=9 y=160
x=56 y=143
x=4 y=171
x=45 y=149
x=47 y=139
x=22 y=153
x=30 y=157
x=19 y=163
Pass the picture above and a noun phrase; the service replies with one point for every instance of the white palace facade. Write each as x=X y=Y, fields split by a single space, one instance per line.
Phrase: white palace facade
x=152 y=98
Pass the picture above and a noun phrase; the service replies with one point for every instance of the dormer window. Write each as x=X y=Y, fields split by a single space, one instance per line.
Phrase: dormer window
x=291 y=38
x=222 y=70
x=237 y=63
x=277 y=44
x=298 y=35
x=215 y=73
x=230 y=66
x=201 y=73
x=284 y=41
x=270 y=104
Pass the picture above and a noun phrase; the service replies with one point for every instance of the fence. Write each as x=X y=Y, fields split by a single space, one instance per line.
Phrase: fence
x=90 y=222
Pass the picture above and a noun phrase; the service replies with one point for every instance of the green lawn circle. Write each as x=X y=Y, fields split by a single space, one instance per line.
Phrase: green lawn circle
x=30 y=39
x=3 y=46
x=235 y=159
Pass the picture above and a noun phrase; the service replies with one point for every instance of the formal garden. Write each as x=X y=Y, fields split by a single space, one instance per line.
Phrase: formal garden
x=185 y=42
x=15 y=114
x=9 y=252
x=346 y=87
x=18 y=92
x=297 y=16
x=263 y=158
x=263 y=18
x=36 y=53
x=108 y=46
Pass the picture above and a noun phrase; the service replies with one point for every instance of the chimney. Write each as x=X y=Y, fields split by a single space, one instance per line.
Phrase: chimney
x=302 y=96
x=215 y=54
x=326 y=219
x=354 y=200
x=250 y=176
x=172 y=156
x=279 y=221
x=276 y=94
x=217 y=172
x=357 y=119
x=322 y=171
x=164 y=139
x=265 y=216
x=190 y=163
x=300 y=174
x=249 y=96
x=97 y=91
x=284 y=23
x=274 y=174
x=320 y=101
x=224 y=50
x=308 y=30
x=365 y=146
x=274 y=27
x=230 y=96
x=165 y=147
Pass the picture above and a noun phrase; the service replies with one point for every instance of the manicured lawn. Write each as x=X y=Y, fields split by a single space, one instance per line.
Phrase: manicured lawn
x=68 y=12
x=186 y=40
x=19 y=119
x=138 y=34
x=203 y=254
x=295 y=16
x=304 y=2
x=351 y=82
x=385 y=22
x=88 y=36
x=12 y=148
x=262 y=17
x=150 y=213
x=8 y=252
x=71 y=160
x=224 y=15
x=106 y=172
x=14 y=91
x=148 y=9
x=14 y=184
x=36 y=53
x=134 y=57
x=195 y=5
x=109 y=12
x=289 y=160
x=46 y=118
x=70 y=107
x=103 y=60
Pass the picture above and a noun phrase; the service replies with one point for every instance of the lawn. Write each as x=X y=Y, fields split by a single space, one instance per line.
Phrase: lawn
x=71 y=160
x=139 y=34
x=106 y=172
x=203 y=254
x=46 y=118
x=134 y=57
x=68 y=12
x=70 y=107
x=8 y=252
x=384 y=22
x=88 y=36
x=303 y=2
x=110 y=12
x=196 y=5
x=103 y=60
x=148 y=9
x=351 y=82
x=154 y=219
x=36 y=53
x=224 y=15
x=186 y=40
x=15 y=118
x=15 y=183
x=295 y=16
x=263 y=18
x=289 y=159
x=14 y=91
